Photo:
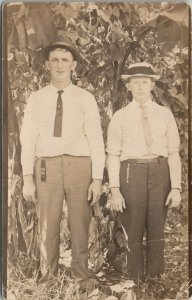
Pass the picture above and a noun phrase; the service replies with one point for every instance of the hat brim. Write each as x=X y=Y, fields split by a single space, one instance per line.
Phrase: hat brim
x=126 y=76
x=47 y=49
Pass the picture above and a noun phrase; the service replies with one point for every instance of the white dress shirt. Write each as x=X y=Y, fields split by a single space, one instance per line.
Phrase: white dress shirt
x=126 y=139
x=81 y=128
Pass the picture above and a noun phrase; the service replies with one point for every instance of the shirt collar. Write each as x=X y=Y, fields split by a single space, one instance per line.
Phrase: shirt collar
x=66 y=90
x=136 y=104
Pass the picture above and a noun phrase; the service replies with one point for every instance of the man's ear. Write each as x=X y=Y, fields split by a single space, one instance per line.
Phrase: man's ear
x=128 y=86
x=74 y=64
x=47 y=65
x=152 y=84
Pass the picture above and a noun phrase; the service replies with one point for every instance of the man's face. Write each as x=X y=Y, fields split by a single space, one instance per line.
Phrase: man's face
x=60 y=64
x=140 y=87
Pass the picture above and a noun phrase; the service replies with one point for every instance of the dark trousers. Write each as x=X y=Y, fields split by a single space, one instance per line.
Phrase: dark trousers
x=69 y=177
x=145 y=188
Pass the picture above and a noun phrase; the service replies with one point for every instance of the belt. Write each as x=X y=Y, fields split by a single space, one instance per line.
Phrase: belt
x=147 y=160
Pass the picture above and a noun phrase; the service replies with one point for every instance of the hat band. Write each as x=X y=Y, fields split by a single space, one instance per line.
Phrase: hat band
x=140 y=70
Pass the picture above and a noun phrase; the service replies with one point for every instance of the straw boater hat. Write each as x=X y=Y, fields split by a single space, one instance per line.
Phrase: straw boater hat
x=62 y=42
x=140 y=69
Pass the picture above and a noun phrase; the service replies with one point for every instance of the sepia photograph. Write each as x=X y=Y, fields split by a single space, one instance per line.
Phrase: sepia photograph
x=96 y=151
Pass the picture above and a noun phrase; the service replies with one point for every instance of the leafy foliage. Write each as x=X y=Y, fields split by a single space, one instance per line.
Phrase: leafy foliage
x=109 y=37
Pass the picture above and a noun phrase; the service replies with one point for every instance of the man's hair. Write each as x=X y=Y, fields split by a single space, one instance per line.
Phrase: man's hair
x=57 y=47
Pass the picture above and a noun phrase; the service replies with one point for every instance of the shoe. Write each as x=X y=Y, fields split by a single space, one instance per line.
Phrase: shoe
x=45 y=278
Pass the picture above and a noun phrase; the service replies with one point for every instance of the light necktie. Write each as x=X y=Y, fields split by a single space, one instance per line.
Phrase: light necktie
x=58 y=116
x=146 y=127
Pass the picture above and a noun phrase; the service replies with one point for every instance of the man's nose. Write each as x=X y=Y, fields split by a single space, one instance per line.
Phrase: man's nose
x=60 y=63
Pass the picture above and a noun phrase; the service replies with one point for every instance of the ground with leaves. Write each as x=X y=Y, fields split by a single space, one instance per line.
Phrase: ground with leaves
x=113 y=285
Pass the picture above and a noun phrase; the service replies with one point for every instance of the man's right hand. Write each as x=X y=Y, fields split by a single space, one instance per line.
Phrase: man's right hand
x=29 y=188
x=117 y=202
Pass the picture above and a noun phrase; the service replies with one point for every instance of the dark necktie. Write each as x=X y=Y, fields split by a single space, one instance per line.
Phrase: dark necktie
x=58 y=116
x=146 y=127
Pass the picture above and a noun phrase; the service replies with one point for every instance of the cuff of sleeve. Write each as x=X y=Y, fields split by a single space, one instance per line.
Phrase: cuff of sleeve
x=175 y=184
x=176 y=188
x=114 y=184
x=28 y=170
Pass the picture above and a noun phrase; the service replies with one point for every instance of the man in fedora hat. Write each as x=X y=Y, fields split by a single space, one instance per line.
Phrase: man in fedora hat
x=62 y=156
x=144 y=170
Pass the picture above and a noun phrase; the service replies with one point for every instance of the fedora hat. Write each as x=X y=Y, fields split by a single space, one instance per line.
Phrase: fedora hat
x=140 y=69
x=61 y=42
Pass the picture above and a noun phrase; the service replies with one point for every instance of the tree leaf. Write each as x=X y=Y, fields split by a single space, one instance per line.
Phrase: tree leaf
x=178 y=13
x=116 y=11
x=94 y=295
x=143 y=13
x=118 y=288
x=99 y=262
x=103 y=15
x=29 y=227
x=180 y=97
x=22 y=36
x=120 y=262
x=20 y=57
x=83 y=41
x=93 y=251
x=73 y=36
x=129 y=295
x=110 y=9
x=76 y=6
x=128 y=284
x=167 y=30
x=126 y=237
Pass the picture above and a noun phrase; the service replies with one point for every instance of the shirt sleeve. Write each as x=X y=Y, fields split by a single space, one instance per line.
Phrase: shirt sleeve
x=93 y=131
x=173 y=142
x=114 y=149
x=174 y=163
x=29 y=135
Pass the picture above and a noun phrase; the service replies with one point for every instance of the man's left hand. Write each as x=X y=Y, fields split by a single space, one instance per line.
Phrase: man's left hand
x=94 y=191
x=174 y=198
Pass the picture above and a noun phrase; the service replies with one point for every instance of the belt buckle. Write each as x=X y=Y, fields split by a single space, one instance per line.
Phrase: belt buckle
x=142 y=161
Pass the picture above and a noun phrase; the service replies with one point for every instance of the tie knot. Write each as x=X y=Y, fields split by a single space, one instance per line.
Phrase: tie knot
x=60 y=92
x=143 y=106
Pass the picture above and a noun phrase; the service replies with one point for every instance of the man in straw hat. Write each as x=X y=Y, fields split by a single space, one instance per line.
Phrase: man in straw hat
x=62 y=155
x=144 y=170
